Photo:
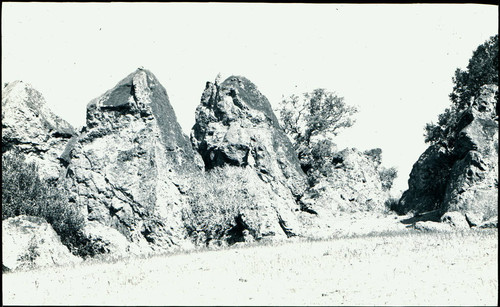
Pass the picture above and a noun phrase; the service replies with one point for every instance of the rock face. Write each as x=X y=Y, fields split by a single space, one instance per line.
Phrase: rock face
x=428 y=226
x=465 y=179
x=353 y=184
x=428 y=180
x=235 y=126
x=127 y=168
x=29 y=242
x=31 y=128
x=455 y=219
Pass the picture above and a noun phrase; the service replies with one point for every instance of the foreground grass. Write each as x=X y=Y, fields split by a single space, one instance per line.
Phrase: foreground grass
x=392 y=268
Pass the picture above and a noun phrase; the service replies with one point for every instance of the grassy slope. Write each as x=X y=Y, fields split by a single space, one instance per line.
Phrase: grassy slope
x=397 y=268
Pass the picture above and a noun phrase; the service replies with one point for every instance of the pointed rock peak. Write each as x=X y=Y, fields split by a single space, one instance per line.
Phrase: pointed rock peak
x=241 y=87
x=240 y=81
x=139 y=98
x=22 y=93
x=23 y=105
x=32 y=129
x=134 y=91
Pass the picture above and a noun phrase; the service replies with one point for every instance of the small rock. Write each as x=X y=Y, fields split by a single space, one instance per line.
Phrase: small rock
x=455 y=219
x=432 y=226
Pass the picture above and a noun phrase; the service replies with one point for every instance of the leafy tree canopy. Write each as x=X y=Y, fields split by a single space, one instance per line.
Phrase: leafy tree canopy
x=481 y=70
x=312 y=118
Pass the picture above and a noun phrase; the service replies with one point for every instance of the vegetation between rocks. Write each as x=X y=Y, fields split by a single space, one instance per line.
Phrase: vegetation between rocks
x=216 y=200
x=481 y=70
x=24 y=193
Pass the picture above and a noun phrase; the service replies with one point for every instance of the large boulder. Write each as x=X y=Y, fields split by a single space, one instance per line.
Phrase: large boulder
x=473 y=182
x=99 y=240
x=455 y=219
x=352 y=184
x=31 y=128
x=429 y=226
x=464 y=179
x=128 y=168
x=235 y=126
x=29 y=242
x=428 y=181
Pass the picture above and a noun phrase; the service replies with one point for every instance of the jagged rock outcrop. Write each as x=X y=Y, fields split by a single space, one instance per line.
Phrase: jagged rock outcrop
x=128 y=167
x=464 y=179
x=235 y=125
x=352 y=184
x=29 y=242
x=30 y=127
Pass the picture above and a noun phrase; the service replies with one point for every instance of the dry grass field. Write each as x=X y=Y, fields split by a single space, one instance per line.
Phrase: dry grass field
x=402 y=267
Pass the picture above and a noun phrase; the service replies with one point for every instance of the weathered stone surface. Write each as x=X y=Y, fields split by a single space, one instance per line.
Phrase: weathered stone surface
x=29 y=242
x=473 y=184
x=433 y=226
x=427 y=183
x=455 y=219
x=352 y=184
x=128 y=166
x=465 y=179
x=101 y=240
x=270 y=216
x=473 y=220
x=30 y=127
x=235 y=125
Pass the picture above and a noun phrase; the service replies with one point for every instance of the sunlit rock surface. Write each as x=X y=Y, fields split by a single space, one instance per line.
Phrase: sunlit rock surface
x=235 y=125
x=29 y=242
x=129 y=164
x=31 y=128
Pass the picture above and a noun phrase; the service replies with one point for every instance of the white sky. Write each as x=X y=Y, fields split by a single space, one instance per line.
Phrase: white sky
x=395 y=62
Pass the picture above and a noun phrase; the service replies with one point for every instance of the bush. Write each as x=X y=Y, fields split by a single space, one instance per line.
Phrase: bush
x=375 y=155
x=216 y=200
x=392 y=204
x=387 y=176
x=24 y=193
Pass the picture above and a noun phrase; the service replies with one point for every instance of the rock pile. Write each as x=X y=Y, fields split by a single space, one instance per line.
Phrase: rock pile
x=133 y=173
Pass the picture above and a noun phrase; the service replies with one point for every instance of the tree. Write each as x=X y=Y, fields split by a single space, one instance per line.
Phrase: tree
x=387 y=176
x=481 y=70
x=314 y=117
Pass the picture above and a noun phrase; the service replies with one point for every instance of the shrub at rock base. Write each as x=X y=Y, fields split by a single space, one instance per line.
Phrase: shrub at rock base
x=232 y=204
x=217 y=199
x=24 y=193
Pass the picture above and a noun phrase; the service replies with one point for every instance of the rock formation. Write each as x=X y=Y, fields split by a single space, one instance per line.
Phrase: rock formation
x=31 y=128
x=29 y=242
x=128 y=167
x=352 y=184
x=464 y=179
x=235 y=126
